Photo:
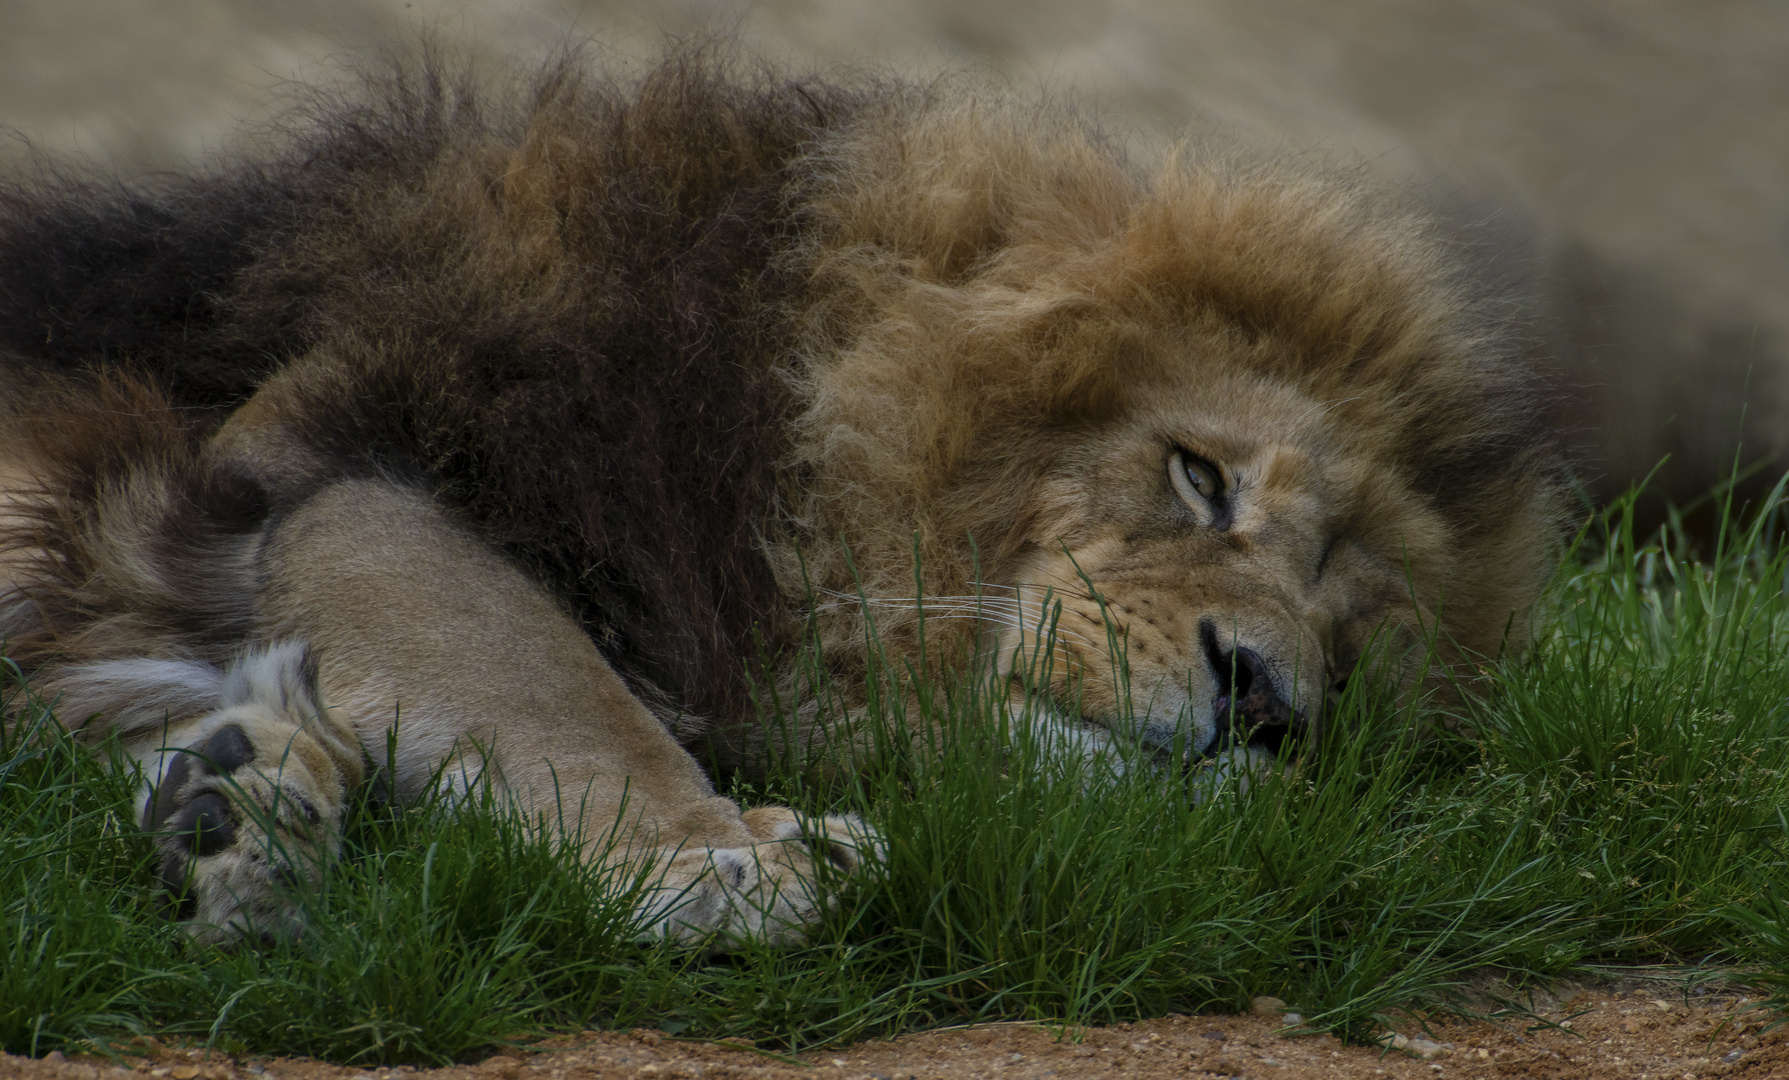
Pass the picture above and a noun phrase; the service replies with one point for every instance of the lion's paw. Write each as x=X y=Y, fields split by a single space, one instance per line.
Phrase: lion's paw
x=771 y=891
x=252 y=806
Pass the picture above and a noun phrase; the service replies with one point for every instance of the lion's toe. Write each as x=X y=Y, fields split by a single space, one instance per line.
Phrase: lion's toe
x=846 y=841
x=772 y=891
x=843 y=840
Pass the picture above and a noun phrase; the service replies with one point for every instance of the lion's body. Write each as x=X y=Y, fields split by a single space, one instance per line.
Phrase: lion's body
x=544 y=424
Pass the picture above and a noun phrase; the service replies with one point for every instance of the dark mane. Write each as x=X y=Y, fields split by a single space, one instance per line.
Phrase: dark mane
x=556 y=307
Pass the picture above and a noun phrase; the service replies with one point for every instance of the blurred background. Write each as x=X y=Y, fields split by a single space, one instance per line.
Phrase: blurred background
x=1623 y=168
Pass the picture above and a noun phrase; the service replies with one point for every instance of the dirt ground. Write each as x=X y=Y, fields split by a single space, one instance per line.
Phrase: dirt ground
x=1633 y=1030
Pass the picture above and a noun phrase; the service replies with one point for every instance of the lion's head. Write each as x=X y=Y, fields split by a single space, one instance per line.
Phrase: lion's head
x=1246 y=419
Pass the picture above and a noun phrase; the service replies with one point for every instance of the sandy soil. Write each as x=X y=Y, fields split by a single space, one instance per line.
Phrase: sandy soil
x=1636 y=1032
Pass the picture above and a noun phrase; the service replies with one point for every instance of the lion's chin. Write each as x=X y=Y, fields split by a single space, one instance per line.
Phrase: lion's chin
x=1209 y=758
x=1238 y=767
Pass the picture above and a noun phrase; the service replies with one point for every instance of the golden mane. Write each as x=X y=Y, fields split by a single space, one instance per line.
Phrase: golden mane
x=988 y=274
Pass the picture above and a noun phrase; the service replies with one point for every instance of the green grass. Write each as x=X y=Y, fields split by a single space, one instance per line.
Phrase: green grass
x=1617 y=796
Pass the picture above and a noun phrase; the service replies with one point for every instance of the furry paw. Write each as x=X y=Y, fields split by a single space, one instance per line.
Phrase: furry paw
x=252 y=806
x=770 y=891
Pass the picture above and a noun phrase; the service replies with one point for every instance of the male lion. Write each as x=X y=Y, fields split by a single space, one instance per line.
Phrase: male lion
x=527 y=430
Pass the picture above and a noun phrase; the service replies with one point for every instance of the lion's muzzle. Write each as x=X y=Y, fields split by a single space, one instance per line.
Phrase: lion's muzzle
x=1248 y=709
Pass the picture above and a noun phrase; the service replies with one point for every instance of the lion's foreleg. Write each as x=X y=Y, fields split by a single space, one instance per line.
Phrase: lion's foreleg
x=425 y=634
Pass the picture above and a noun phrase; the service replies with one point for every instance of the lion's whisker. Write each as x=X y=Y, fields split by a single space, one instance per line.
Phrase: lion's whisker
x=1060 y=592
x=1016 y=617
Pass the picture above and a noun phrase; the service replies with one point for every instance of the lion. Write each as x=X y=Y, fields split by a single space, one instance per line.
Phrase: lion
x=522 y=434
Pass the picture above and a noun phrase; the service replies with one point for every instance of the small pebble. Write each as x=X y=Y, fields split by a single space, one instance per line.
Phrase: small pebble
x=1428 y=1049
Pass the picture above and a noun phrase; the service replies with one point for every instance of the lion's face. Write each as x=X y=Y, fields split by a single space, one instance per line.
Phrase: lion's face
x=1241 y=549
x=1250 y=423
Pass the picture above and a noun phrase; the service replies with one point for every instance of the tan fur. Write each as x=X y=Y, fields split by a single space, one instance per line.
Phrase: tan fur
x=535 y=479
x=407 y=612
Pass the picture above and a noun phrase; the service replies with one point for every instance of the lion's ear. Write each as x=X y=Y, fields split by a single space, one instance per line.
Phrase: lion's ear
x=1080 y=395
x=282 y=676
x=1083 y=367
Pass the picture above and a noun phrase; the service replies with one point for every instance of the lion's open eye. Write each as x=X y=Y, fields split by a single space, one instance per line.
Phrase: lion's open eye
x=1197 y=480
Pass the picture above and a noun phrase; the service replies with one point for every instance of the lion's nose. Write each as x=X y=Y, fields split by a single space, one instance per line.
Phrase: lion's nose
x=1247 y=698
x=1252 y=692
